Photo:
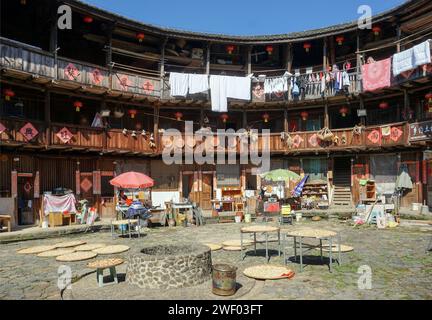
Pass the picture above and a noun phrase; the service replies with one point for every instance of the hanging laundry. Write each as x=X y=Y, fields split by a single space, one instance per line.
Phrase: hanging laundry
x=276 y=85
x=376 y=75
x=179 y=84
x=422 y=53
x=411 y=58
x=224 y=87
x=198 y=83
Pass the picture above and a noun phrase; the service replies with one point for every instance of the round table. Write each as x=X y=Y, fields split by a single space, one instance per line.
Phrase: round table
x=259 y=229
x=129 y=223
x=318 y=234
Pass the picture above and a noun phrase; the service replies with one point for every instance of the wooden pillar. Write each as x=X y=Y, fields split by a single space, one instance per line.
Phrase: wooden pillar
x=358 y=67
x=162 y=68
x=325 y=60
x=332 y=50
x=289 y=57
x=208 y=59
x=53 y=41
x=108 y=56
x=326 y=116
x=286 y=124
x=156 y=123
x=249 y=60
x=398 y=34
x=47 y=117
x=201 y=117
x=407 y=102
x=362 y=106
x=244 y=124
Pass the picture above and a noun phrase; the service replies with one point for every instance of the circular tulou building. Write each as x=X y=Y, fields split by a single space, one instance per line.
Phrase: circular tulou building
x=87 y=94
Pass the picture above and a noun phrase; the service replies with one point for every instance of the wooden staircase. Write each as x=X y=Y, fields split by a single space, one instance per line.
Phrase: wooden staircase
x=342 y=196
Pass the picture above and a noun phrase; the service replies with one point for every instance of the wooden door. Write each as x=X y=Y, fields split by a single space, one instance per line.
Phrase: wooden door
x=207 y=191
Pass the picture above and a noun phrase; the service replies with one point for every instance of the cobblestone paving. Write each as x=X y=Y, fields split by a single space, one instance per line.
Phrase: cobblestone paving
x=401 y=268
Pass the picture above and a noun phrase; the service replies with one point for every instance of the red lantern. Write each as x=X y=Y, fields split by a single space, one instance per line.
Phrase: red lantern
x=343 y=111
x=376 y=30
x=269 y=50
x=230 y=48
x=132 y=113
x=340 y=40
x=88 y=19
x=78 y=105
x=179 y=116
x=307 y=46
x=429 y=102
x=266 y=117
x=383 y=105
x=224 y=118
x=304 y=115
x=9 y=94
x=140 y=37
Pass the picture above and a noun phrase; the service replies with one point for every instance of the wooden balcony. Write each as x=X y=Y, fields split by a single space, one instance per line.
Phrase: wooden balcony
x=390 y=136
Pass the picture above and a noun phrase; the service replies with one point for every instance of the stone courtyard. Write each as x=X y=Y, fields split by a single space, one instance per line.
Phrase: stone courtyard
x=401 y=268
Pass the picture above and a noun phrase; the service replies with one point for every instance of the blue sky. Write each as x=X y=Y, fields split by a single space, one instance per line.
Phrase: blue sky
x=240 y=17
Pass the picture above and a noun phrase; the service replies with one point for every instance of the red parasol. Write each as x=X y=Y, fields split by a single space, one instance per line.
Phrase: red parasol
x=132 y=180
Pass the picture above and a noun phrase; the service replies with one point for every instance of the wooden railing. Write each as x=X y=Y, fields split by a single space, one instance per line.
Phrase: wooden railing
x=24 y=58
x=36 y=133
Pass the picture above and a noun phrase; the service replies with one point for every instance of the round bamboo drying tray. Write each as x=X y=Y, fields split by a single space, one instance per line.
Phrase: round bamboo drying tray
x=36 y=250
x=213 y=246
x=55 y=253
x=232 y=248
x=77 y=256
x=104 y=264
x=267 y=272
x=237 y=243
x=257 y=229
x=111 y=250
x=335 y=248
x=311 y=233
x=69 y=244
x=90 y=247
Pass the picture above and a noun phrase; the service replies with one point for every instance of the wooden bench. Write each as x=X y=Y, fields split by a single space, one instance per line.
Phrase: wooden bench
x=8 y=220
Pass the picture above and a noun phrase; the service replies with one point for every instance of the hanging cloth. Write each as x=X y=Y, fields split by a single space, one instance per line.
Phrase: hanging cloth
x=411 y=58
x=224 y=87
x=198 y=83
x=179 y=84
x=376 y=75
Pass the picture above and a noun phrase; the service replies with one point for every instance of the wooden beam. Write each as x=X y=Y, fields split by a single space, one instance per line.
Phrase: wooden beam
x=162 y=67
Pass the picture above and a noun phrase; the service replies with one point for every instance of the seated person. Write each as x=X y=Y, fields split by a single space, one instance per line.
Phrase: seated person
x=122 y=198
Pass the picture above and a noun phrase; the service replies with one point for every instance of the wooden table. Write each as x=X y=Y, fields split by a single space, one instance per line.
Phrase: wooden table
x=321 y=235
x=8 y=220
x=259 y=229
x=101 y=265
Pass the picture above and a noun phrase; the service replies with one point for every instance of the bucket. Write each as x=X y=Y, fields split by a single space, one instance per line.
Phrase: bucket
x=248 y=218
x=299 y=216
x=224 y=280
x=238 y=219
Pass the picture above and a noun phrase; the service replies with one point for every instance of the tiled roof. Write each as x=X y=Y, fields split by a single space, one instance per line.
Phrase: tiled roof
x=293 y=36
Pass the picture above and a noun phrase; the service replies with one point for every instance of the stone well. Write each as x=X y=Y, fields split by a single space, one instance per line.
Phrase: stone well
x=174 y=266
